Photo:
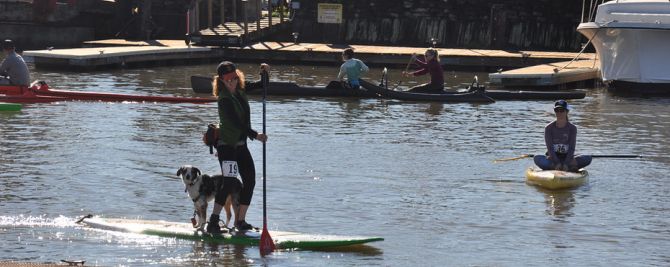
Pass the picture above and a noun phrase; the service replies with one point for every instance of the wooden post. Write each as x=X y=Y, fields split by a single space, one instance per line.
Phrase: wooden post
x=235 y=11
x=196 y=16
x=210 y=19
x=259 y=14
x=281 y=11
x=145 y=26
x=269 y=13
x=222 y=10
x=244 y=14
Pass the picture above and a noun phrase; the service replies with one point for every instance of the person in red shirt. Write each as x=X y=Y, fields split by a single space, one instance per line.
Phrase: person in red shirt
x=431 y=66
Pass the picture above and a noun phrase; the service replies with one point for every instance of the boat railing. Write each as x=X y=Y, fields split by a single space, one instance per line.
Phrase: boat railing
x=592 y=8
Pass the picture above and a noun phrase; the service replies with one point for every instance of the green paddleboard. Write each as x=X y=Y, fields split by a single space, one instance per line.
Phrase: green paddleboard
x=10 y=106
x=283 y=240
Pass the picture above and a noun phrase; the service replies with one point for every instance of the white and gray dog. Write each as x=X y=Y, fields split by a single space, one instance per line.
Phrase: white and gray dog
x=202 y=189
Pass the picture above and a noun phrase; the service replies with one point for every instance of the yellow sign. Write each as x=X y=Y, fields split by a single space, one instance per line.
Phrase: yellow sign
x=329 y=13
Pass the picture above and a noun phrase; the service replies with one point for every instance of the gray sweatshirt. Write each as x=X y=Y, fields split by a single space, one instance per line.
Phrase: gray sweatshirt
x=15 y=67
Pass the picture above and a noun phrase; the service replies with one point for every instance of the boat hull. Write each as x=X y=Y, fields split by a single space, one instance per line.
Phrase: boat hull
x=555 y=180
x=203 y=85
x=41 y=93
x=631 y=40
x=467 y=97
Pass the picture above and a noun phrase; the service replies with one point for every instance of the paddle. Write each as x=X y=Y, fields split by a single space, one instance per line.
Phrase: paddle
x=266 y=245
x=624 y=156
x=411 y=59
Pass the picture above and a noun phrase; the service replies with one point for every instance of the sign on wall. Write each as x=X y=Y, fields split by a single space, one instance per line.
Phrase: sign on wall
x=329 y=13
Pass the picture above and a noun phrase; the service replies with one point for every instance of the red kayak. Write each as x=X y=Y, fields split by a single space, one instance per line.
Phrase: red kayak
x=40 y=91
x=30 y=98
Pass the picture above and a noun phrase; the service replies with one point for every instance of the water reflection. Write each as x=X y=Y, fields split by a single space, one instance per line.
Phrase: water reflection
x=559 y=202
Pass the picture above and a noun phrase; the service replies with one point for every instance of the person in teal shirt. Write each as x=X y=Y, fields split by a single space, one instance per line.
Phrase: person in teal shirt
x=352 y=68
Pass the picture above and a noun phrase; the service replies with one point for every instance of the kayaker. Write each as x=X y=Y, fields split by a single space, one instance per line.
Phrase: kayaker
x=560 y=137
x=235 y=127
x=352 y=69
x=431 y=66
x=13 y=69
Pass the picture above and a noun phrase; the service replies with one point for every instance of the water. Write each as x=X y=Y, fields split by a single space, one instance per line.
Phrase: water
x=418 y=174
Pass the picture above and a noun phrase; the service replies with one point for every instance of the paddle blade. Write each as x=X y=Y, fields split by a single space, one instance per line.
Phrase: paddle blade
x=266 y=245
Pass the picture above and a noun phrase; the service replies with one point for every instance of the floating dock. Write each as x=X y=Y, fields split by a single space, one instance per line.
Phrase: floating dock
x=559 y=75
x=115 y=52
x=121 y=55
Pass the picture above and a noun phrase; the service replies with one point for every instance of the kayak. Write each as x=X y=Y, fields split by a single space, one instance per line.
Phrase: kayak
x=553 y=179
x=42 y=93
x=203 y=85
x=95 y=96
x=473 y=96
x=283 y=240
x=30 y=98
x=11 y=89
x=10 y=106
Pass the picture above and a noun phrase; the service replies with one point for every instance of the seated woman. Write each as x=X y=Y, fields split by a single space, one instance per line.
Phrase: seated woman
x=432 y=66
x=560 y=136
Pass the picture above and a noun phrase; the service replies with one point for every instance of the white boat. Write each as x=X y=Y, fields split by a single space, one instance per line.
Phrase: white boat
x=632 y=40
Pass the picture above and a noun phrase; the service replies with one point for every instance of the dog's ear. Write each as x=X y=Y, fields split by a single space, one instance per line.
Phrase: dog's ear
x=181 y=170
x=197 y=171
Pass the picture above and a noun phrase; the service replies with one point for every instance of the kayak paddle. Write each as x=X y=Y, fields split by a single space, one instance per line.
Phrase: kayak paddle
x=624 y=156
x=266 y=245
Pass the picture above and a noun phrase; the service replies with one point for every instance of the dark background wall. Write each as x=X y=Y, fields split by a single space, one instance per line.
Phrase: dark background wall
x=492 y=24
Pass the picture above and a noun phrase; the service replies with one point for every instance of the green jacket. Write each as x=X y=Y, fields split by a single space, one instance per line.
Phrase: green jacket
x=235 y=117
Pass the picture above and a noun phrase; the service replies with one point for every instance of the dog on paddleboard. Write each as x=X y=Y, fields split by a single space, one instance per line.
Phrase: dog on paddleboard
x=202 y=189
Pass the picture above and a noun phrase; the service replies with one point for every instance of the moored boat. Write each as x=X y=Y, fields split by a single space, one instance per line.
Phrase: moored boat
x=631 y=39
x=553 y=179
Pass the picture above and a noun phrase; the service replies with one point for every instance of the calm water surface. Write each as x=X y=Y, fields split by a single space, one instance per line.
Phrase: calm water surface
x=418 y=174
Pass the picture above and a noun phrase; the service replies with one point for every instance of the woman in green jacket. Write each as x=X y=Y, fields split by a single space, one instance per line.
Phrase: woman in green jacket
x=235 y=127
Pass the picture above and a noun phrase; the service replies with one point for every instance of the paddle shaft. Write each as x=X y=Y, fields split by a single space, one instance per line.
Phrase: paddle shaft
x=264 y=77
x=624 y=156
x=621 y=156
x=266 y=245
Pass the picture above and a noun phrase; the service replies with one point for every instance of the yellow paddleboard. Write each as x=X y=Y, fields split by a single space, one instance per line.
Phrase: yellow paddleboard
x=556 y=179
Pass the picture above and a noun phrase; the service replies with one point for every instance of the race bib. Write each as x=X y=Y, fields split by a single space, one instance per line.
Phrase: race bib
x=561 y=148
x=229 y=168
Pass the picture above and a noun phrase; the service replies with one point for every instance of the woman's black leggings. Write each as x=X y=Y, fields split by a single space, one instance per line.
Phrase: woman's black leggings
x=246 y=168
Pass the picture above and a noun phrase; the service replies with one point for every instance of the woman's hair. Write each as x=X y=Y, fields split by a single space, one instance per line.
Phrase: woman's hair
x=217 y=83
x=433 y=52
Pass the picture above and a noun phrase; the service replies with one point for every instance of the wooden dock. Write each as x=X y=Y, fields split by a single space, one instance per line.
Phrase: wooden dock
x=122 y=55
x=551 y=75
x=312 y=53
